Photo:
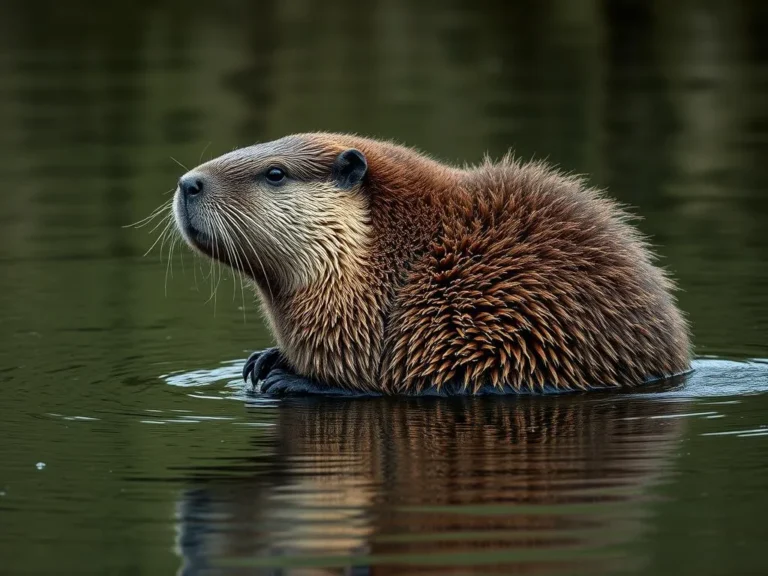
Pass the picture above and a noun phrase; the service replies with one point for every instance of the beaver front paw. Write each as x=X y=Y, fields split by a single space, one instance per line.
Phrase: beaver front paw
x=260 y=364
x=268 y=373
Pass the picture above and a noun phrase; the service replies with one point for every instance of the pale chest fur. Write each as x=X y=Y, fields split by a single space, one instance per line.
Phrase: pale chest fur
x=332 y=331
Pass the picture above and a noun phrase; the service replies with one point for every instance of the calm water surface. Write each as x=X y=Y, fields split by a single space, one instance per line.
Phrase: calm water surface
x=127 y=443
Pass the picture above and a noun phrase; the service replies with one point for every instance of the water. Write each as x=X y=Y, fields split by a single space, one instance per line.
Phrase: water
x=128 y=445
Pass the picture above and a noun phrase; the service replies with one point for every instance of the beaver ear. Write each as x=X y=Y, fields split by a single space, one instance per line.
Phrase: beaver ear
x=349 y=168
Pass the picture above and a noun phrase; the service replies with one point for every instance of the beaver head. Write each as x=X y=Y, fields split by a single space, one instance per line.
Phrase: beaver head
x=285 y=213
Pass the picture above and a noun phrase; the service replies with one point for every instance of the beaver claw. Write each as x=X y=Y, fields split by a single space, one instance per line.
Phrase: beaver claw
x=259 y=364
x=265 y=371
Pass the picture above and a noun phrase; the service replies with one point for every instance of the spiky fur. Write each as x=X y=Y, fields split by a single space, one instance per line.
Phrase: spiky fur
x=503 y=274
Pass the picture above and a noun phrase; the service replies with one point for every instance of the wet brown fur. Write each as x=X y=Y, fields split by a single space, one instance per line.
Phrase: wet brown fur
x=504 y=274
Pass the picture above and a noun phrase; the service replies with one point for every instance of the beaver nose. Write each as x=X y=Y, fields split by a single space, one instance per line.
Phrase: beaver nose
x=191 y=184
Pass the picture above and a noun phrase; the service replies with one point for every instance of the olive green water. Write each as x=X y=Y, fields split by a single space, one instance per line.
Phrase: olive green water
x=127 y=445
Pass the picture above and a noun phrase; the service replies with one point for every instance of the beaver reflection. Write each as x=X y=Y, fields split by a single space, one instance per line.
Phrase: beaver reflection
x=493 y=485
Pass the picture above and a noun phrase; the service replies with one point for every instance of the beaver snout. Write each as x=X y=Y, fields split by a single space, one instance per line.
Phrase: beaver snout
x=191 y=184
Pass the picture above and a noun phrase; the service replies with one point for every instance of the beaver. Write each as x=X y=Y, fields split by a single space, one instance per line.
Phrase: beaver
x=383 y=271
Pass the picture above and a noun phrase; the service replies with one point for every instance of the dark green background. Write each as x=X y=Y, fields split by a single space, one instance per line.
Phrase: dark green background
x=663 y=103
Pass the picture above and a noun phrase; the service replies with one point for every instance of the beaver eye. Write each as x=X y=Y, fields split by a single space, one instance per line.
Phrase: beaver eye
x=275 y=176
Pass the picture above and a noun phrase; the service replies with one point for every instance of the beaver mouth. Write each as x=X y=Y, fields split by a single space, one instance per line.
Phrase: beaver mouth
x=199 y=238
x=196 y=225
x=194 y=235
x=207 y=243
